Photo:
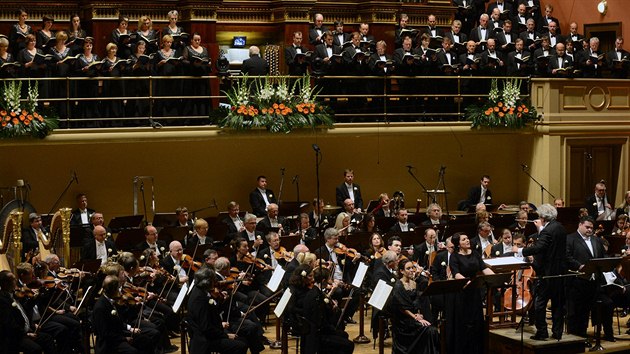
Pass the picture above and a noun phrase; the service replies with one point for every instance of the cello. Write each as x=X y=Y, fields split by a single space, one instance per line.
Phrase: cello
x=521 y=280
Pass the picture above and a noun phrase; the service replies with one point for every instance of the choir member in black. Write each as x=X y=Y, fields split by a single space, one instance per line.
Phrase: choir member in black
x=465 y=15
x=367 y=40
x=402 y=30
x=516 y=63
x=198 y=63
x=412 y=333
x=381 y=64
x=45 y=34
x=8 y=70
x=448 y=64
x=519 y=19
x=167 y=64
x=19 y=31
x=432 y=30
x=542 y=56
x=618 y=60
x=316 y=32
x=505 y=39
x=492 y=61
x=113 y=67
x=112 y=334
x=297 y=63
x=560 y=61
x=30 y=68
x=464 y=311
x=495 y=21
x=17 y=333
x=140 y=66
x=529 y=36
x=544 y=22
x=458 y=37
x=179 y=42
x=60 y=67
x=88 y=88
x=146 y=33
x=208 y=331
x=481 y=33
x=328 y=61
x=339 y=37
x=121 y=36
x=76 y=35
x=355 y=60
x=405 y=66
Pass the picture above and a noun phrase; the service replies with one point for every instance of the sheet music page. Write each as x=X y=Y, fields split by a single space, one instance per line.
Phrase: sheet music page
x=380 y=294
x=503 y=261
x=359 y=275
x=282 y=304
x=276 y=278
x=180 y=297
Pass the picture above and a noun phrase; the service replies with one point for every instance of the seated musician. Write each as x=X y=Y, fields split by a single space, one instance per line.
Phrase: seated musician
x=272 y=221
x=210 y=256
x=253 y=236
x=274 y=255
x=484 y=240
x=304 y=230
x=208 y=330
x=200 y=235
x=412 y=333
x=151 y=241
x=30 y=235
x=385 y=269
x=384 y=210
x=316 y=219
x=621 y=225
x=440 y=270
x=97 y=219
x=342 y=223
x=343 y=270
x=183 y=218
x=355 y=214
x=402 y=225
x=376 y=248
x=112 y=334
x=434 y=212
x=161 y=316
x=520 y=222
x=503 y=248
x=422 y=252
x=233 y=221
x=368 y=224
x=172 y=262
x=18 y=333
x=99 y=247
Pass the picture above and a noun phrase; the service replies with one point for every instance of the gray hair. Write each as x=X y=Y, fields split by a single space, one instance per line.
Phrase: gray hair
x=221 y=263
x=547 y=212
x=330 y=232
x=173 y=13
x=253 y=50
x=249 y=217
x=389 y=256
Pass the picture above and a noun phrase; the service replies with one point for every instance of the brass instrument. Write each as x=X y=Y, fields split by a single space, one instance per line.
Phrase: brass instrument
x=397 y=202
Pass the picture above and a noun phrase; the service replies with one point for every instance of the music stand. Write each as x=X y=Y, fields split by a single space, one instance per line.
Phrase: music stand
x=490 y=282
x=88 y=265
x=173 y=233
x=164 y=219
x=118 y=223
x=287 y=208
x=596 y=266
x=128 y=239
x=444 y=287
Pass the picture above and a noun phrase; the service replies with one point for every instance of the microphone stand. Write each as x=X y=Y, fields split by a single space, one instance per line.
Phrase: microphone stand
x=542 y=188
x=441 y=181
x=212 y=205
x=296 y=180
x=144 y=203
x=409 y=168
x=72 y=179
x=281 y=184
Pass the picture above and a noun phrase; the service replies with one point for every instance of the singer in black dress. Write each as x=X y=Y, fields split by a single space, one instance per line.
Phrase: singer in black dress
x=198 y=63
x=120 y=36
x=45 y=34
x=140 y=66
x=6 y=71
x=88 y=88
x=60 y=69
x=19 y=32
x=167 y=64
x=464 y=310
x=76 y=35
x=113 y=88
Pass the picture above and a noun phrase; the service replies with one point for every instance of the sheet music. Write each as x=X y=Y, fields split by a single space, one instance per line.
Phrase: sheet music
x=282 y=304
x=180 y=297
x=359 y=275
x=380 y=294
x=276 y=279
x=192 y=285
x=503 y=261
x=610 y=277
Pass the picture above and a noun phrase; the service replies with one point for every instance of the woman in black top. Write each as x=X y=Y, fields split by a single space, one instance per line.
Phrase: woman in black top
x=113 y=67
x=19 y=31
x=198 y=63
x=174 y=30
x=167 y=64
x=88 y=88
x=464 y=311
x=76 y=35
x=120 y=36
x=32 y=68
x=140 y=66
x=60 y=67
x=146 y=33
x=45 y=34
x=8 y=70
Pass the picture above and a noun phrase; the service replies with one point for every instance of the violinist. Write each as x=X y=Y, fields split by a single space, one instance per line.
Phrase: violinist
x=251 y=234
x=520 y=223
x=98 y=247
x=272 y=221
x=621 y=225
x=342 y=223
x=151 y=241
x=172 y=263
x=484 y=240
x=343 y=271
x=316 y=217
x=376 y=248
x=210 y=256
x=307 y=233
x=113 y=335
x=200 y=236
x=275 y=254
x=402 y=225
x=208 y=330
x=18 y=333
x=395 y=244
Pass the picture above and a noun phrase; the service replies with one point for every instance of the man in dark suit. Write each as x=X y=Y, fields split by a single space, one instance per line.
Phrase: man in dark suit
x=543 y=24
x=465 y=14
x=272 y=220
x=516 y=63
x=200 y=235
x=483 y=239
x=402 y=225
x=575 y=36
x=151 y=241
x=255 y=65
x=550 y=259
x=29 y=239
x=432 y=30
x=583 y=246
x=385 y=269
x=590 y=60
x=598 y=203
x=99 y=247
x=481 y=33
x=422 y=251
x=492 y=61
x=328 y=52
x=233 y=220
x=618 y=60
x=503 y=248
x=505 y=38
x=458 y=37
x=367 y=40
x=560 y=61
x=292 y=55
x=81 y=215
x=112 y=334
x=172 y=263
x=339 y=36
x=554 y=36
x=519 y=19
x=260 y=197
x=403 y=30
x=530 y=35
x=502 y=5
x=434 y=212
x=349 y=189
x=254 y=237
x=317 y=31
x=479 y=194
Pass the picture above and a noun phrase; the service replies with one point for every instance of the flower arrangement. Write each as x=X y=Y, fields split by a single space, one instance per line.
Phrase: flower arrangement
x=269 y=103
x=22 y=118
x=504 y=109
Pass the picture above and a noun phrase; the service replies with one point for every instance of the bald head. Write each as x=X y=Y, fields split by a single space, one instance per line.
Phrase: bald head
x=99 y=233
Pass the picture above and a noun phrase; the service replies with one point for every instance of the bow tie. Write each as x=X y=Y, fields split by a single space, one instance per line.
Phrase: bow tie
x=329 y=46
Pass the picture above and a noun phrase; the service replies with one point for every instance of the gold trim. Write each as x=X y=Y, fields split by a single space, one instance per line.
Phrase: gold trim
x=622 y=94
x=592 y=94
x=573 y=93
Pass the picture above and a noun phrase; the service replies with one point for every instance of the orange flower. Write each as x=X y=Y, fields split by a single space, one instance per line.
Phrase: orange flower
x=312 y=109
x=23 y=112
x=496 y=109
x=281 y=106
x=275 y=106
x=22 y=118
x=520 y=109
x=4 y=124
x=526 y=110
x=40 y=118
x=519 y=115
x=15 y=121
x=13 y=114
x=7 y=118
x=511 y=110
x=501 y=114
x=488 y=112
x=500 y=104
x=264 y=110
x=277 y=110
x=3 y=113
x=504 y=108
x=27 y=122
x=29 y=117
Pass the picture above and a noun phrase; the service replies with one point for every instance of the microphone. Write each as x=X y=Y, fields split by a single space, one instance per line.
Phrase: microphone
x=524 y=166
x=315 y=147
x=282 y=169
x=409 y=167
x=295 y=178
x=74 y=175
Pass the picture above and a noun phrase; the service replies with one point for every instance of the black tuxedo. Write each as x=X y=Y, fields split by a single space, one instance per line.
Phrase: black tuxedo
x=381 y=272
x=334 y=66
x=243 y=235
x=193 y=241
x=497 y=251
x=589 y=70
x=474 y=194
x=312 y=35
x=518 y=69
x=89 y=249
x=442 y=59
x=493 y=5
x=398 y=38
x=543 y=24
x=591 y=205
x=255 y=66
x=491 y=67
x=438 y=271
x=542 y=66
x=29 y=240
x=553 y=64
x=256 y=200
x=341 y=194
x=582 y=293
x=550 y=258
x=420 y=253
x=264 y=225
x=109 y=328
x=428 y=222
x=231 y=227
x=475 y=245
x=396 y=227
x=161 y=245
x=463 y=38
x=290 y=57
x=75 y=220
x=438 y=31
x=619 y=70
x=525 y=36
x=337 y=42
x=476 y=36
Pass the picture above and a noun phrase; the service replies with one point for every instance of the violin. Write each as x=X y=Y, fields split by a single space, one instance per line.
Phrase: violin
x=341 y=249
x=25 y=293
x=188 y=263
x=257 y=262
x=281 y=253
x=50 y=282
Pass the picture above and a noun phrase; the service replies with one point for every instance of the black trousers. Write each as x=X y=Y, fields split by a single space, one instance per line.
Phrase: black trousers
x=549 y=289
